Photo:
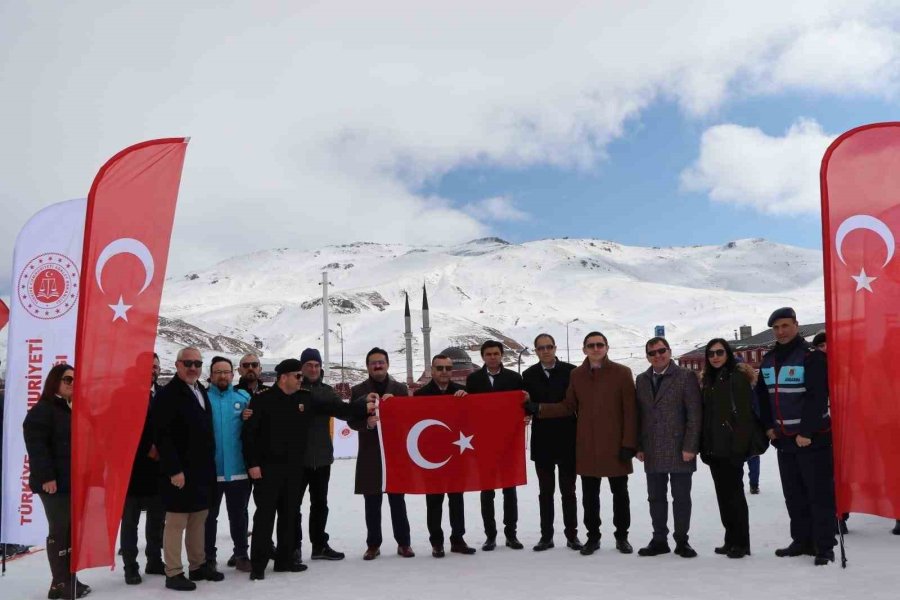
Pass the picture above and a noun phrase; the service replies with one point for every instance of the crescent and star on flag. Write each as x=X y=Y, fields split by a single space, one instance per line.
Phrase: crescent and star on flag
x=412 y=443
x=125 y=246
x=870 y=223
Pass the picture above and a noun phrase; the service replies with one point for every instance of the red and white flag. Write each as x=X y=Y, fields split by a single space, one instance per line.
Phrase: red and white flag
x=438 y=444
x=130 y=212
x=860 y=182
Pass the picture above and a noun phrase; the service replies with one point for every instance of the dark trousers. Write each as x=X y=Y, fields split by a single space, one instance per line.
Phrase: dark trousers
x=807 y=479
x=590 y=499
x=753 y=467
x=59 y=534
x=277 y=492
x=657 y=488
x=728 y=478
x=510 y=512
x=546 y=486
x=434 y=509
x=317 y=480
x=399 y=520
x=237 y=497
x=153 y=528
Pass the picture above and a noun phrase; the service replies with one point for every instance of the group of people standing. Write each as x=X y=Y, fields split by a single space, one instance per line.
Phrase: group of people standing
x=229 y=441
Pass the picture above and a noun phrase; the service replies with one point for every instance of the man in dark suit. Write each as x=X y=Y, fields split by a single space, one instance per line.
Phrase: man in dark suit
x=441 y=385
x=381 y=386
x=494 y=377
x=187 y=452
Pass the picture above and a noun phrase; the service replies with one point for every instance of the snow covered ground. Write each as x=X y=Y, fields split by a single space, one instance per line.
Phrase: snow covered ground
x=872 y=573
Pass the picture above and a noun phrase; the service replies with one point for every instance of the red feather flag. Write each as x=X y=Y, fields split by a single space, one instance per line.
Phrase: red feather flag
x=860 y=182
x=130 y=211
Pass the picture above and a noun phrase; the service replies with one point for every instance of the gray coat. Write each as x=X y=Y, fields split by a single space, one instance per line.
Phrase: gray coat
x=670 y=422
x=368 y=458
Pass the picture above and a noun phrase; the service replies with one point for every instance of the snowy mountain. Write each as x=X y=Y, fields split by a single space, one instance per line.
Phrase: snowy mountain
x=487 y=288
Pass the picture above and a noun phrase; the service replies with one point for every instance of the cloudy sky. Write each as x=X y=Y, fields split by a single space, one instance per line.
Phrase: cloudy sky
x=653 y=123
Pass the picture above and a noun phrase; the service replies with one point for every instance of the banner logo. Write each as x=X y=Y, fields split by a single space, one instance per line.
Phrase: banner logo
x=48 y=285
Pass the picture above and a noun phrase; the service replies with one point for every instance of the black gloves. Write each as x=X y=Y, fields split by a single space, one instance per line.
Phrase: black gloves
x=626 y=454
x=531 y=408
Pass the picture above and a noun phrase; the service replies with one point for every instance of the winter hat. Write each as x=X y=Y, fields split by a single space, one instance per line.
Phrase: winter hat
x=782 y=313
x=819 y=338
x=310 y=354
x=288 y=366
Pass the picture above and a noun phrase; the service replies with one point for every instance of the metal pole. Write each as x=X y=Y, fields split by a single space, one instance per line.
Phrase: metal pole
x=325 y=362
x=568 y=348
x=341 y=329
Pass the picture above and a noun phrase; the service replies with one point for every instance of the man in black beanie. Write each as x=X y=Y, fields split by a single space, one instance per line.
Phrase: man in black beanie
x=275 y=439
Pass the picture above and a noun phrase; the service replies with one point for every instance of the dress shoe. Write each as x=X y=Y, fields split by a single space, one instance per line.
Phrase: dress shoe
x=754 y=489
x=62 y=591
x=242 y=564
x=574 y=544
x=257 y=575
x=896 y=529
x=326 y=552
x=723 y=549
x=489 y=544
x=180 y=583
x=133 y=575
x=461 y=548
x=513 y=542
x=654 y=548
x=823 y=558
x=372 y=552
x=738 y=552
x=81 y=589
x=794 y=549
x=543 y=545
x=405 y=551
x=289 y=567
x=684 y=550
x=590 y=547
x=206 y=573
x=437 y=551
x=155 y=567
x=232 y=562
x=623 y=546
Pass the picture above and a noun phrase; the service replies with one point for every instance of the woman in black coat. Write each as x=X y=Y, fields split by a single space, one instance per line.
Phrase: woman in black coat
x=47 y=429
x=728 y=425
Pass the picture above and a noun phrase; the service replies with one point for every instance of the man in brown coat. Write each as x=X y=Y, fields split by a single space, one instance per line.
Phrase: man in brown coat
x=670 y=419
x=379 y=385
x=601 y=393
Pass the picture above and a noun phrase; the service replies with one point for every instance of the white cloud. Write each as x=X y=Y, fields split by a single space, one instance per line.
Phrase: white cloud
x=497 y=208
x=774 y=175
x=317 y=123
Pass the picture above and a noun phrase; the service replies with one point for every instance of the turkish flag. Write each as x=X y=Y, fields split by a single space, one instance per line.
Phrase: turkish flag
x=130 y=211
x=438 y=444
x=860 y=181
x=4 y=314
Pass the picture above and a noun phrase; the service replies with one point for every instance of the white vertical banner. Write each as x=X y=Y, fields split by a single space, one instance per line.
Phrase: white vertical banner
x=42 y=321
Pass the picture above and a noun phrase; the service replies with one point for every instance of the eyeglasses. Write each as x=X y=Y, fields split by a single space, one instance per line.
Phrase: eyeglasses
x=442 y=367
x=222 y=373
x=659 y=351
x=719 y=352
x=377 y=363
x=595 y=345
x=68 y=380
x=196 y=364
x=544 y=348
x=250 y=365
x=298 y=375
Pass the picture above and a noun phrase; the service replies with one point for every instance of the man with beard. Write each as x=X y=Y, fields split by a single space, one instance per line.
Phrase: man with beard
x=187 y=450
x=494 y=377
x=231 y=474
x=143 y=495
x=440 y=385
x=249 y=370
x=379 y=385
x=275 y=439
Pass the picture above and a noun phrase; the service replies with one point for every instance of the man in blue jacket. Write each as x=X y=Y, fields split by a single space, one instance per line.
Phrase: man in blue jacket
x=227 y=404
x=792 y=390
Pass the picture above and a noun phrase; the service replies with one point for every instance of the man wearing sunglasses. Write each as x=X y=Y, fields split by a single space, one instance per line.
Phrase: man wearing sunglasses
x=670 y=418
x=187 y=454
x=552 y=442
x=249 y=370
x=441 y=385
x=275 y=441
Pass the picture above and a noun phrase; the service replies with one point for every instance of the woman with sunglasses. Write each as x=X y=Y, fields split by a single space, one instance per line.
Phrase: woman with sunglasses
x=728 y=424
x=47 y=429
